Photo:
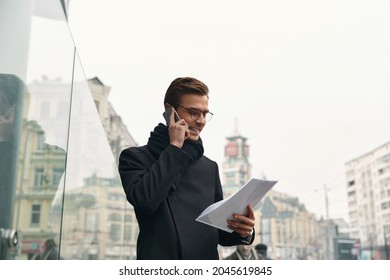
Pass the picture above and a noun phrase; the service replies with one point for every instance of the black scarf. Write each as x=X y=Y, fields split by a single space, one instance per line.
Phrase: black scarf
x=159 y=140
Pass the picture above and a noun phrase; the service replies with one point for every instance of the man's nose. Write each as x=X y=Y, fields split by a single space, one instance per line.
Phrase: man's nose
x=201 y=119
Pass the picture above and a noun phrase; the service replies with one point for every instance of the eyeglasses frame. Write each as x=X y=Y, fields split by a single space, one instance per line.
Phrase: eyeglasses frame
x=196 y=115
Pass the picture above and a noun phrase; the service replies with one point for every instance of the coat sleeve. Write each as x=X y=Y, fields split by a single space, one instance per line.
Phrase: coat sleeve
x=147 y=182
x=226 y=238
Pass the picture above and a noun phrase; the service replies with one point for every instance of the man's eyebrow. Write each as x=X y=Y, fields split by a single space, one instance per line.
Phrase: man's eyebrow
x=196 y=109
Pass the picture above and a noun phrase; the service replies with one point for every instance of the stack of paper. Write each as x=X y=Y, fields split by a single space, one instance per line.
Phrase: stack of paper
x=250 y=193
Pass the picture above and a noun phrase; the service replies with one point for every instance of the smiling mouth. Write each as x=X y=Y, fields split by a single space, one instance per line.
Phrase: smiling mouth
x=194 y=131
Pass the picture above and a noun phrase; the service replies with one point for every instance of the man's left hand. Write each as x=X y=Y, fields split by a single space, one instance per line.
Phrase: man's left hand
x=243 y=225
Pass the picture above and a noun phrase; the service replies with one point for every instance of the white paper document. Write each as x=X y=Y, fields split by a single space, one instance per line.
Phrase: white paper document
x=251 y=192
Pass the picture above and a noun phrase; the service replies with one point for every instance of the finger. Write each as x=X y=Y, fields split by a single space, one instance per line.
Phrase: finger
x=251 y=214
x=183 y=122
x=246 y=224
x=241 y=222
x=243 y=231
x=239 y=219
x=172 y=116
x=239 y=226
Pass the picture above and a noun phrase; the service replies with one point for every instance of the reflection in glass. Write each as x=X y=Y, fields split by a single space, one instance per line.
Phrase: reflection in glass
x=12 y=95
x=60 y=140
x=91 y=205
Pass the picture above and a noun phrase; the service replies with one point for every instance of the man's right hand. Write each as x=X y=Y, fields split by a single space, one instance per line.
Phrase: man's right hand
x=178 y=131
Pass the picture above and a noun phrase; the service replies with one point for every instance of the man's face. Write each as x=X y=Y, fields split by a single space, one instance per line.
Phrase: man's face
x=195 y=106
x=43 y=248
x=244 y=249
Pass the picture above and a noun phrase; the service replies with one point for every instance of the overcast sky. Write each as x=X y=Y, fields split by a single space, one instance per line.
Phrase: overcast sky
x=307 y=81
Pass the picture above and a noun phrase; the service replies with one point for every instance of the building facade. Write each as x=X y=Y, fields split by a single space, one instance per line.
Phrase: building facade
x=40 y=169
x=282 y=222
x=117 y=133
x=288 y=229
x=236 y=171
x=58 y=167
x=236 y=168
x=368 y=188
x=96 y=221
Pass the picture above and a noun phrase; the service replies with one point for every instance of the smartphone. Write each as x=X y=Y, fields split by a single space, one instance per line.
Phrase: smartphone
x=167 y=115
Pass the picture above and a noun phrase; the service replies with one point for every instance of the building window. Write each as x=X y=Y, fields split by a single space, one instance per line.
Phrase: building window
x=384 y=182
x=127 y=233
x=39 y=178
x=351 y=183
x=230 y=174
x=115 y=217
x=35 y=214
x=115 y=232
x=129 y=218
x=384 y=159
x=352 y=193
x=57 y=174
x=385 y=205
x=116 y=197
x=91 y=221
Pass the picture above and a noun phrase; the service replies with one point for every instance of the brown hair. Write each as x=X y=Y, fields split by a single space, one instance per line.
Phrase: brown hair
x=181 y=86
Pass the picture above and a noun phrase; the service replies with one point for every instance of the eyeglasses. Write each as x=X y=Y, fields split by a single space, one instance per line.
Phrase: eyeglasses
x=195 y=113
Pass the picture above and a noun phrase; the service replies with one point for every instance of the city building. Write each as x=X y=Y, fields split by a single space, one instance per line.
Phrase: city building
x=96 y=220
x=236 y=171
x=99 y=224
x=58 y=166
x=282 y=223
x=117 y=133
x=368 y=188
x=236 y=168
x=40 y=169
x=288 y=229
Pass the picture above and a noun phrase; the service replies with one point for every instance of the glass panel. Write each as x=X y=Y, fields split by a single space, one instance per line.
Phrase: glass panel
x=33 y=135
x=94 y=201
x=60 y=141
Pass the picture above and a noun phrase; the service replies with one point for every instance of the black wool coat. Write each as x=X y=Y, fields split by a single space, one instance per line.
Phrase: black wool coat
x=168 y=193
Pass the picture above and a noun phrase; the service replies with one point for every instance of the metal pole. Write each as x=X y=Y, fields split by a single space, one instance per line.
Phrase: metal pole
x=326 y=202
x=326 y=224
x=386 y=248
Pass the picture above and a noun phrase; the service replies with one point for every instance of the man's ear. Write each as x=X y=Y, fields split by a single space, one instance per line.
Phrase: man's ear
x=167 y=105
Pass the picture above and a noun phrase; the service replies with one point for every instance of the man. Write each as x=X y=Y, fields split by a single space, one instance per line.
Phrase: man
x=244 y=252
x=170 y=182
x=261 y=249
x=48 y=251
